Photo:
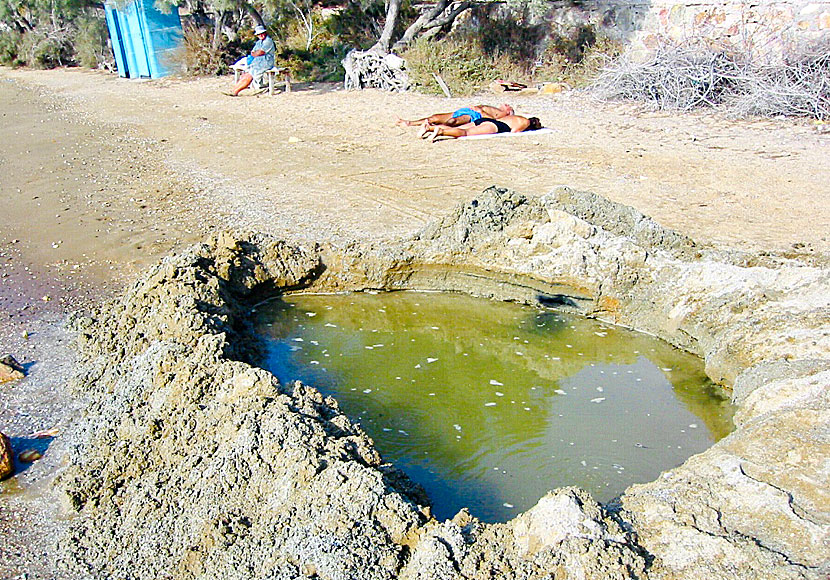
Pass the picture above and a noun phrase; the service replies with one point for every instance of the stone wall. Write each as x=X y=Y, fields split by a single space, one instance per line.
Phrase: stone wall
x=767 y=29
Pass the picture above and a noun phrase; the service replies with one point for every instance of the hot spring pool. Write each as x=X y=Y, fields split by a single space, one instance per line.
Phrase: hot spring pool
x=488 y=405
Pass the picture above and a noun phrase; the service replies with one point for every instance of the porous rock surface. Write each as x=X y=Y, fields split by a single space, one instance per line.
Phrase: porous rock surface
x=192 y=463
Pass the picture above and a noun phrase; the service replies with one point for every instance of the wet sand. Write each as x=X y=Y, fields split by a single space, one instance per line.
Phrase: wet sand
x=102 y=176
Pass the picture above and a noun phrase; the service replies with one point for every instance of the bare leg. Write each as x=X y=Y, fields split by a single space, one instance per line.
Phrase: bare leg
x=436 y=119
x=444 y=131
x=244 y=82
x=456 y=121
x=465 y=131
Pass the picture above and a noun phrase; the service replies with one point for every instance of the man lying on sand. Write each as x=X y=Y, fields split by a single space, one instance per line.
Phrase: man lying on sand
x=483 y=126
x=461 y=116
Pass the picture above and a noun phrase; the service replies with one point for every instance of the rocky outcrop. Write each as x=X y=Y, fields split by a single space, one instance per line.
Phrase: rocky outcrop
x=6 y=457
x=10 y=369
x=191 y=462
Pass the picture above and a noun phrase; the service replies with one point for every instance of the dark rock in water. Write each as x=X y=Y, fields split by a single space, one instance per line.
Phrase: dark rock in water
x=6 y=457
x=10 y=369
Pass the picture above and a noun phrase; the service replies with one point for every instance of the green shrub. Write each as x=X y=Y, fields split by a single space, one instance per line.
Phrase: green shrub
x=357 y=25
x=512 y=36
x=90 y=42
x=10 y=43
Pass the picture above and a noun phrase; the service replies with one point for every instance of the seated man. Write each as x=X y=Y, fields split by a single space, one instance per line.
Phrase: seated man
x=258 y=62
x=483 y=126
x=461 y=116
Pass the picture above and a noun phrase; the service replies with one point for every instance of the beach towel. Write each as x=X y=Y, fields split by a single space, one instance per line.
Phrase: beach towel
x=542 y=131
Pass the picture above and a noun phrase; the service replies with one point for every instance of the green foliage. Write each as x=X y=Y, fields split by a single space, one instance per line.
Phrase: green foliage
x=320 y=64
x=44 y=33
x=357 y=25
x=90 y=42
x=512 y=36
x=10 y=43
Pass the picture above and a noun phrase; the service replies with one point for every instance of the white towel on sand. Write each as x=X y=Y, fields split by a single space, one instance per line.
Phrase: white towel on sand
x=542 y=131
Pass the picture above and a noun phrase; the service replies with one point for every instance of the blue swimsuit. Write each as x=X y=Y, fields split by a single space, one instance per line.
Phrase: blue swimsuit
x=474 y=115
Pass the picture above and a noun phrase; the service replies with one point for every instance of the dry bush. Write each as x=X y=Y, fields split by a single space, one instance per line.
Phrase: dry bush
x=680 y=77
x=799 y=88
x=462 y=65
x=197 y=55
x=692 y=75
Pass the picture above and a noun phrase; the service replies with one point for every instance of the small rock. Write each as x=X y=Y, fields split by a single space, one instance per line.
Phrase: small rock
x=554 y=88
x=6 y=457
x=10 y=369
x=29 y=456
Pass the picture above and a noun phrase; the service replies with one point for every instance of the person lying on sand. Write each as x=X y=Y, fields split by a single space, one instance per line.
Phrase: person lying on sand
x=461 y=116
x=483 y=126
x=258 y=62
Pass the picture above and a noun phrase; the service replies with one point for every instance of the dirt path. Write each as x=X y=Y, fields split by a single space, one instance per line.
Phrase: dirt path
x=101 y=176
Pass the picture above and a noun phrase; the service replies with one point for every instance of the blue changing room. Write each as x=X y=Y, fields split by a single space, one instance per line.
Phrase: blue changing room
x=143 y=38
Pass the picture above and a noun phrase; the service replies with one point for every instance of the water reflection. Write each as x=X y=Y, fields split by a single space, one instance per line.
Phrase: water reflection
x=489 y=405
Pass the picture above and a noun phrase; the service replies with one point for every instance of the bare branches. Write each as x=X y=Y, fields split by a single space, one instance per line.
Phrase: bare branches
x=689 y=76
x=799 y=89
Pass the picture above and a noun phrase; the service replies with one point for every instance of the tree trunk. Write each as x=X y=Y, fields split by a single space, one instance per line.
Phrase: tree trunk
x=385 y=40
x=433 y=19
x=217 y=29
x=255 y=15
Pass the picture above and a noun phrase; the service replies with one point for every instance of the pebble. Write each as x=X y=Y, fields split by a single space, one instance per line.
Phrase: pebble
x=29 y=456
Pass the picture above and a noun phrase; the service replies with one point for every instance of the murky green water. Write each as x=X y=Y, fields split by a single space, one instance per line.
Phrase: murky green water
x=489 y=405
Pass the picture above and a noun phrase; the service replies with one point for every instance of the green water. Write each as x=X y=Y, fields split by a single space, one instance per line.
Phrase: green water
x=488 y=405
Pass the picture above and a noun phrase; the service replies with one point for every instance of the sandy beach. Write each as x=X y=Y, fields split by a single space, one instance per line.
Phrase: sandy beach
x=102 y=176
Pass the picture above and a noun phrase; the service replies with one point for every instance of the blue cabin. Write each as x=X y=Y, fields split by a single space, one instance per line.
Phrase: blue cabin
x=143 y=38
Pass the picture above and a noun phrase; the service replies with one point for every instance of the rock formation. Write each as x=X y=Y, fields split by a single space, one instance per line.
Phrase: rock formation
x=191 y=462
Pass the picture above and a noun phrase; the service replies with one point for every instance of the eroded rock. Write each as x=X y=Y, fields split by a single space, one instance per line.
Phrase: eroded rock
x=193 y=463
x=10 y=369
x=6 y=457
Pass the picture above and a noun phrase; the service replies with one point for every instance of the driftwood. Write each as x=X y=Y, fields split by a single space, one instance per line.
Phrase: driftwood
x=373 y=69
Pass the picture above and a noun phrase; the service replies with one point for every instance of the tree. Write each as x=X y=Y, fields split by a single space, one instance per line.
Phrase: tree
x=431 y=21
